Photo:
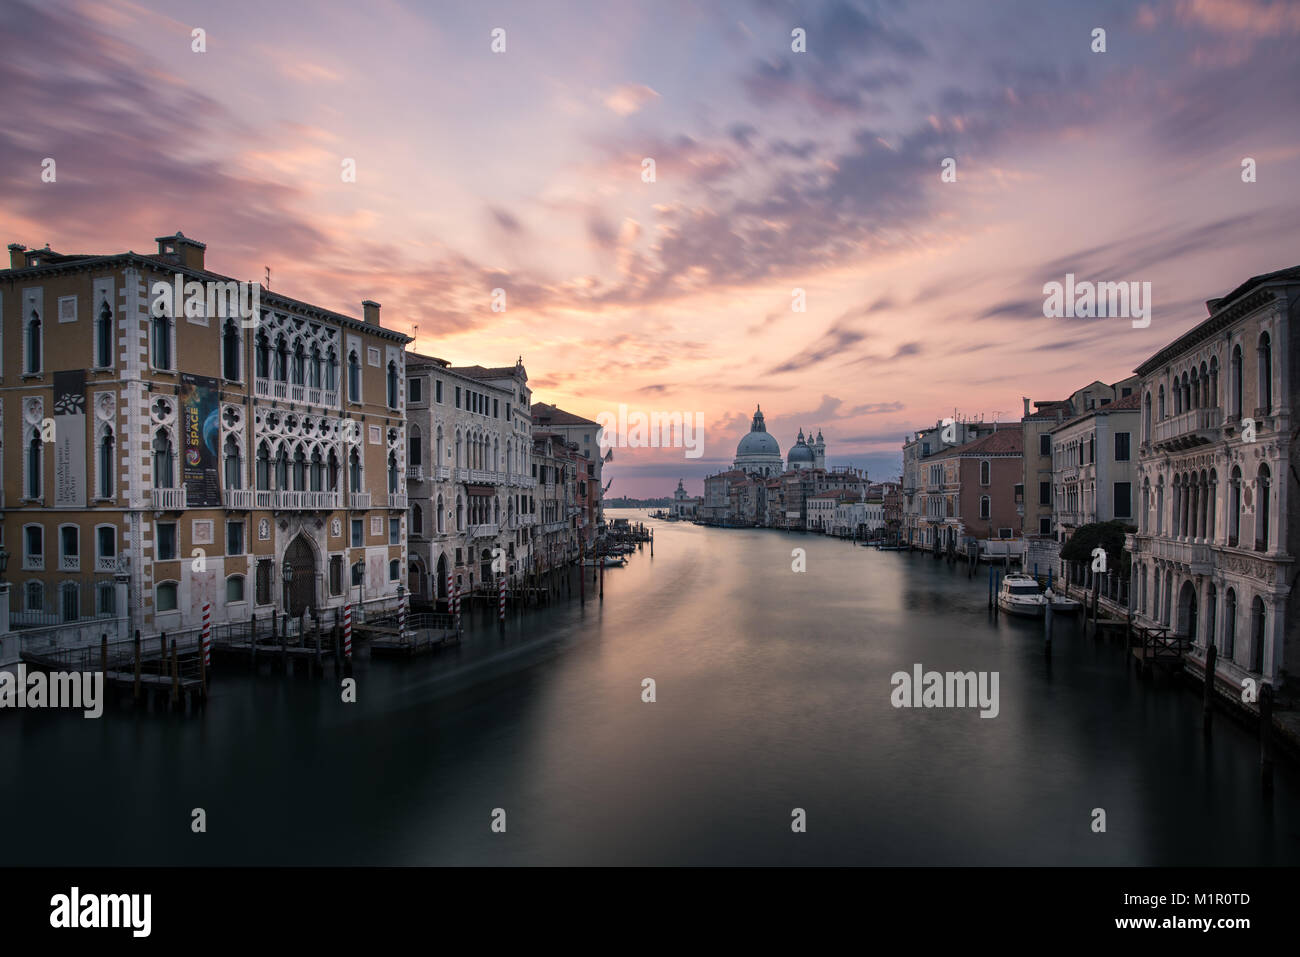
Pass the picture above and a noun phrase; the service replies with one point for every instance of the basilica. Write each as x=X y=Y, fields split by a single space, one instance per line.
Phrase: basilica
x=760 y=454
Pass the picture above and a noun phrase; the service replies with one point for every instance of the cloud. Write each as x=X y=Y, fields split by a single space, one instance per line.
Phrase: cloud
x=629 y=98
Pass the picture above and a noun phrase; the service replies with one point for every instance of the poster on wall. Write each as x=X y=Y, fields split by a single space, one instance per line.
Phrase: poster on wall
x=199 y=438
x=70 y=438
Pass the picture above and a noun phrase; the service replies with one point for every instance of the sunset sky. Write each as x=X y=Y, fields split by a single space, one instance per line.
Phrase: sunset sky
x=775 y=170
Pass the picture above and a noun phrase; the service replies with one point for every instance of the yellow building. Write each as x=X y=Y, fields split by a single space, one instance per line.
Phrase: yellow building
x=171 y=437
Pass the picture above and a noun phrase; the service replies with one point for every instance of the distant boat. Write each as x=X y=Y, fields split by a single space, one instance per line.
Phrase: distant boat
x=1020 y=596
x=609 y=561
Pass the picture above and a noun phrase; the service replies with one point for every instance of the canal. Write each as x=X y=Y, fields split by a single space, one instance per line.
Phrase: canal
x=773 y=692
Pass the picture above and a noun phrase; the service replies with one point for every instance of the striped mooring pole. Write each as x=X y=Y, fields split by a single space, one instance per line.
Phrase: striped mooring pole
x=401 y=617
x=347 y=631
x=456 y=606
x=207 y=634
x=451 y=591
x=501 y=601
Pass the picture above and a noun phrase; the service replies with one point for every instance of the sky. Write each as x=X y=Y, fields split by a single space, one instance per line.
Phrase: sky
x=781 y=178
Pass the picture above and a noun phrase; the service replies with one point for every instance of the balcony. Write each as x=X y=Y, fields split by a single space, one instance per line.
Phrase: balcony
x=167 y=499
x=1188 y=430
x=527 y=519
x=444 y=473
x=486 y=530
x=415 y=473
x=359 y=500
x=397 y=500
x=1195 y=555
x=106 y=563
x=306 y=501
x=295 y=392
x=238 y=498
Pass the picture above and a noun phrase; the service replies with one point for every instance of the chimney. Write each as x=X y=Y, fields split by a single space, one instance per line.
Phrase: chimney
x=1210 y=304
x=180 y=250
x=371 y=311
x=16 y=258
x=1026 y=398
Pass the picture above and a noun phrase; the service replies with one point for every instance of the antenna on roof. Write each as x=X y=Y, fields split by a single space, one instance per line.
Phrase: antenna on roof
x=268 y=276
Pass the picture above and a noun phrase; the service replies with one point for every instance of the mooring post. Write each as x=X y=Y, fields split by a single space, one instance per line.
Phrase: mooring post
x=284 y=644
x=136 y=689
x=1047 y=628
x=602 y=574
x=103 y=655
x=1266 y=737
x=1207 y=689
x=176 y=678
x=320 y=664
x=652 y=543
x=990 y=588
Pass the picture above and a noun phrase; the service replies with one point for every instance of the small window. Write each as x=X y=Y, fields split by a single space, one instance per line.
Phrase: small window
x=394 y=531
x=1045 y=444
x=234 y=589
x=437 y=390
x=415 y=391
x=336 y=574
x=165 y=597
x=394 y=570
x=234 y=538
x=106 y=542
x=1044 y=526
x=165 y=547
x=1044 y=493
x=264 y=567
x=1121 y=446
x=458 y=397
x=358 y=533
x=34 y=542
x=1123 y=499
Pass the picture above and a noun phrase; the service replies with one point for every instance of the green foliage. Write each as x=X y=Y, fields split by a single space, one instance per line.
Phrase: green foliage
x=1107 y=535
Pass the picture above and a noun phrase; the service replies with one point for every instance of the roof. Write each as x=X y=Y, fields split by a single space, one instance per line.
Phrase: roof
x=1048 y=410
x=1009 y=441
x=554 y=415
x=1130 y=403
x=1249 y=295
x=496 y=372
x=421 y=361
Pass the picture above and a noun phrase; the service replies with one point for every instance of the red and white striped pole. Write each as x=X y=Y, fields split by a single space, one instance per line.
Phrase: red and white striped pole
x=347 y=631
x=401 y=616
x=207 y=634
x=501 y=601
x=456 y=606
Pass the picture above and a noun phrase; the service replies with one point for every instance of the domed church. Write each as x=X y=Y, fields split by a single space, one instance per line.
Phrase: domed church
x=758 y=452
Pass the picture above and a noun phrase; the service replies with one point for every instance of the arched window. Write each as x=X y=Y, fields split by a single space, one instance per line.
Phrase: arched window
x=417 y=520
x=392 y=473
x=282 y=468
x=281 y=359
x=331 y=370
x=300 y=469
x=333 y=472
x=1178 y=397
x=299 y=368
x=317 y=471
x=1234 y=505
x=263 y=467
x=460 y=513
x=1146 y=418
x=313 y=368
x=263 y=356
x=106 y=472
x=165 y=597
x=162 y=342
x=1236 y=382
x=1265 y=350
x=234 y=589
x=985 y=508
x=34 y=343
x=459 y=459
x=354 y=470
x=1144 y=517
x=394 y=570
x=438 y=517
x=1214 y=382
x=414 y=453
x=1211 y=609
x=1160 y=405
x=164 y=461
x=392 y=385
x=230 y=351
x=35 y=463
x=1160 y=505
x=1229 y=624
x=104 y=337
x=234 y=472
x=1263 y=509
x=354 y=377
x=1258 y=624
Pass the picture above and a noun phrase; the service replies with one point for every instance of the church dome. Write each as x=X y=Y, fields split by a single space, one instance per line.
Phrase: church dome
x=758 y=441
x=800 y=453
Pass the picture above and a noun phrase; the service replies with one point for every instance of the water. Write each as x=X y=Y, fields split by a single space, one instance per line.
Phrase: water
x=773 y=693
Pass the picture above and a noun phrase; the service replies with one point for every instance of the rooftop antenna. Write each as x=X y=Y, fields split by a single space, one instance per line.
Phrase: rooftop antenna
x=268 y=276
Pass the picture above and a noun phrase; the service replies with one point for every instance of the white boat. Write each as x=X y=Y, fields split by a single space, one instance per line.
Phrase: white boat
x=1020 y=596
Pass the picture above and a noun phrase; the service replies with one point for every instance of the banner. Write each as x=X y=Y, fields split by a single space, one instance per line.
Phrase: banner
x=200 y=434
x=70 y=438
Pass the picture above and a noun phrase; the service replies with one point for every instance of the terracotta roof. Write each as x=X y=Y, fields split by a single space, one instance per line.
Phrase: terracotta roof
x=554 y=415
x=1010 y=441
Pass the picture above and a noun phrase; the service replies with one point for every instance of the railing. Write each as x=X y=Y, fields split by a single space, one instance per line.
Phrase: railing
x=238 y=498
x=1198 y=424
x=527 y=519
x=1184 y=553
x=359 y=500
x=444 y=473
x=486 y=530
x=270 y=388
x=168 y=499
x=106 y=563
x=306 y=500
x=397 y=500
x=415 y=473
x=36 y=603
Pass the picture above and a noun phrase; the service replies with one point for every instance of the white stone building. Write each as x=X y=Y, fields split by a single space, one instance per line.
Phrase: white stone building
x=1215 y=551
x=1094 y=460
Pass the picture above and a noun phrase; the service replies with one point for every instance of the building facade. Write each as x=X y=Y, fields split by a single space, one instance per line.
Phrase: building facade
x=190 y=453
x=1214 y=554
x=1094 y=459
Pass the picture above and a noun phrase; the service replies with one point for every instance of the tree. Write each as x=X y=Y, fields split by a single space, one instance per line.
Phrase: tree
x=1107 y=535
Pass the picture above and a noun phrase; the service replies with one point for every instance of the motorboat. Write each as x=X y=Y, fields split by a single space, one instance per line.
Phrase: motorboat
x=1019 y=595
x=1062 y=605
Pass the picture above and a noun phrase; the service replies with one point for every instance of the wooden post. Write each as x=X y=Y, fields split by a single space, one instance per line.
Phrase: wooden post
x=252 y=642
x=1266 y=737
x=136 y=690
x=602 y=574
x=1207 y=706
x=1047 y=628
x=582 y=572
x=176 y=678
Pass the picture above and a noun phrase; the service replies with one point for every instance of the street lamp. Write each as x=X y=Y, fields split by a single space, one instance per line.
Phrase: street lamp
x=287 y=571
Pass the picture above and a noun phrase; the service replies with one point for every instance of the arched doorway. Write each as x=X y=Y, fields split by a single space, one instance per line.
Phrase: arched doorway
x=301 y=557
x=485 y=563
x=415 y=578
x=441 y=584
x=1187 y=611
